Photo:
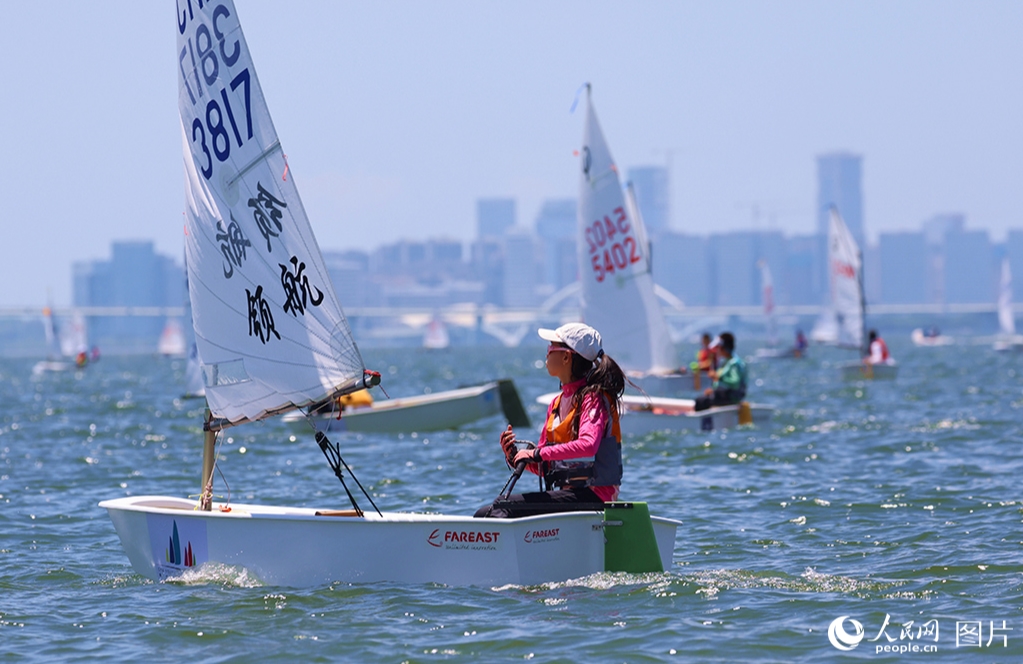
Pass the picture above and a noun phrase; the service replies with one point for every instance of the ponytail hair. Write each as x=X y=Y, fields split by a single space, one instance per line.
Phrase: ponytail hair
x=603 y=376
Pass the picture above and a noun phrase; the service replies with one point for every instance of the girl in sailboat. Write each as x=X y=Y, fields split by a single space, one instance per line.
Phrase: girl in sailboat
x=878 y=350
x=579 y=455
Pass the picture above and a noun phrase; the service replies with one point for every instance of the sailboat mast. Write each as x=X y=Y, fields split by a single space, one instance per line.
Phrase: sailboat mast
x=209 y=442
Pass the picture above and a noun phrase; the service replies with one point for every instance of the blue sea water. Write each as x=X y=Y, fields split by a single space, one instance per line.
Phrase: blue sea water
x=896 y=504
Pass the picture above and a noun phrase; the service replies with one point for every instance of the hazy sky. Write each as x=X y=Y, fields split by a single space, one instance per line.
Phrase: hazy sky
x=397 y=116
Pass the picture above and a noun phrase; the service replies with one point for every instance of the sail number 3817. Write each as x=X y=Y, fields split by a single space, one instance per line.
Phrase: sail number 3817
x=607 y=253
x=200 y=61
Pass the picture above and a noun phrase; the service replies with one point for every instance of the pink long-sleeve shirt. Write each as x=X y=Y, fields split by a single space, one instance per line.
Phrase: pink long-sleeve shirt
x=592 y=424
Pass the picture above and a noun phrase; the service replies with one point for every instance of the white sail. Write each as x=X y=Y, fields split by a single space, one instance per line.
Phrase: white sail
x=767 y=295
x=194 y=386
x=53 y=349
x=825 y=329
x=436 y=334
x=269 y=328
x=845 y=267
x=1006 y=319
x=617 y=286
x=75 y=337
x=172 y=339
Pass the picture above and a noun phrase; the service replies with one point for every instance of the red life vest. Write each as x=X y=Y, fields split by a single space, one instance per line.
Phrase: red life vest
x=884 y=348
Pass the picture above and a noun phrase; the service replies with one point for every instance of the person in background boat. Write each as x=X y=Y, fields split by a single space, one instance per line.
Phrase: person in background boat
x=351 y=400
x=729 y=381
x=878 y=350
x=706 y=358
x=800 y=348
x=579 y=455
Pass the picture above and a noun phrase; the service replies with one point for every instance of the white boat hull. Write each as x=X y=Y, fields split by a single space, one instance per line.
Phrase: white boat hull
x=779 y=353
x=165 y=537
x=861 y=371
x=643 y=415
x=429 y=412
x=920 y=338
x=48 y=366
x=1013 y=343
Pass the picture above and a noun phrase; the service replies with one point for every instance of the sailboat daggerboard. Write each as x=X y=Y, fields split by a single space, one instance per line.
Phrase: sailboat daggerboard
x=270 y=331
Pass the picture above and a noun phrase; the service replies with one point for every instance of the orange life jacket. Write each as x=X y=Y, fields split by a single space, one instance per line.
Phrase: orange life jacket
x=602 y=469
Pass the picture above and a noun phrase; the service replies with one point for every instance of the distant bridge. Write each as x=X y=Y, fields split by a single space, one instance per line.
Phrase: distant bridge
x=490 y=313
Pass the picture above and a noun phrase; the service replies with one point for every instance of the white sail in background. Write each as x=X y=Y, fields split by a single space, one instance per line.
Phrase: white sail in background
x=825 y=329
x=1006 y=319
x=845 y=269
x=767 y=295
x=194 y=386
x=436 y=334
x=617 y=286
x=172 y=339
x=75 y=337
x=53 y=349
x=269 y=328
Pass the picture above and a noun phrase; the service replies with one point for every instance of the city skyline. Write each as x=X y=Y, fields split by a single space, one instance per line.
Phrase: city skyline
x=398 y=118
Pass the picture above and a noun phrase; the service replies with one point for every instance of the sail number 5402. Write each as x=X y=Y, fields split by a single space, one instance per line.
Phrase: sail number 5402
x=606 y=253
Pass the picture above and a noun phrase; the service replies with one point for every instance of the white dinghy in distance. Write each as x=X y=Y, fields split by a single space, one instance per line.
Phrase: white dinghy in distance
x=272 y=338
x=449 y=409
x=845 y=269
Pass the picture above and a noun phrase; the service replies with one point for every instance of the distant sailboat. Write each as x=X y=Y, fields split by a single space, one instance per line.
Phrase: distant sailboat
x=617 y=286
x=1007 y=338
x=172 y=339
x=845 y=269
x=767 y=294
x=53 y=361
x=618 y=299
x=75 y=340
x=436 y=334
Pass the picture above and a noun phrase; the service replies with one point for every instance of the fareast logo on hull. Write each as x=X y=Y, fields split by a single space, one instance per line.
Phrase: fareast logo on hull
x=476 y=540
x=538 y=536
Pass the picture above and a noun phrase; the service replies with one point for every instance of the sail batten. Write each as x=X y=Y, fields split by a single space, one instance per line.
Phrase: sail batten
x=617 y=292
x=270 y=331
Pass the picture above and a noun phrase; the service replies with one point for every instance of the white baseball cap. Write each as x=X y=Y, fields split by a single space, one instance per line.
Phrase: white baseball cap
x=581 y=338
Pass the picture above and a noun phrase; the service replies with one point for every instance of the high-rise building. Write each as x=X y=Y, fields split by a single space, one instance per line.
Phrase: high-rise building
x=556 y=230
x=840 y=183
x=494 y=216
x=804 y=280
x=135 y=276
x=735 y=277
x=652 y=187
x=682 y=265
x=519 y=269
x=903 y=268
x=1014 y=252
x=936 y=230
x=969 y=268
